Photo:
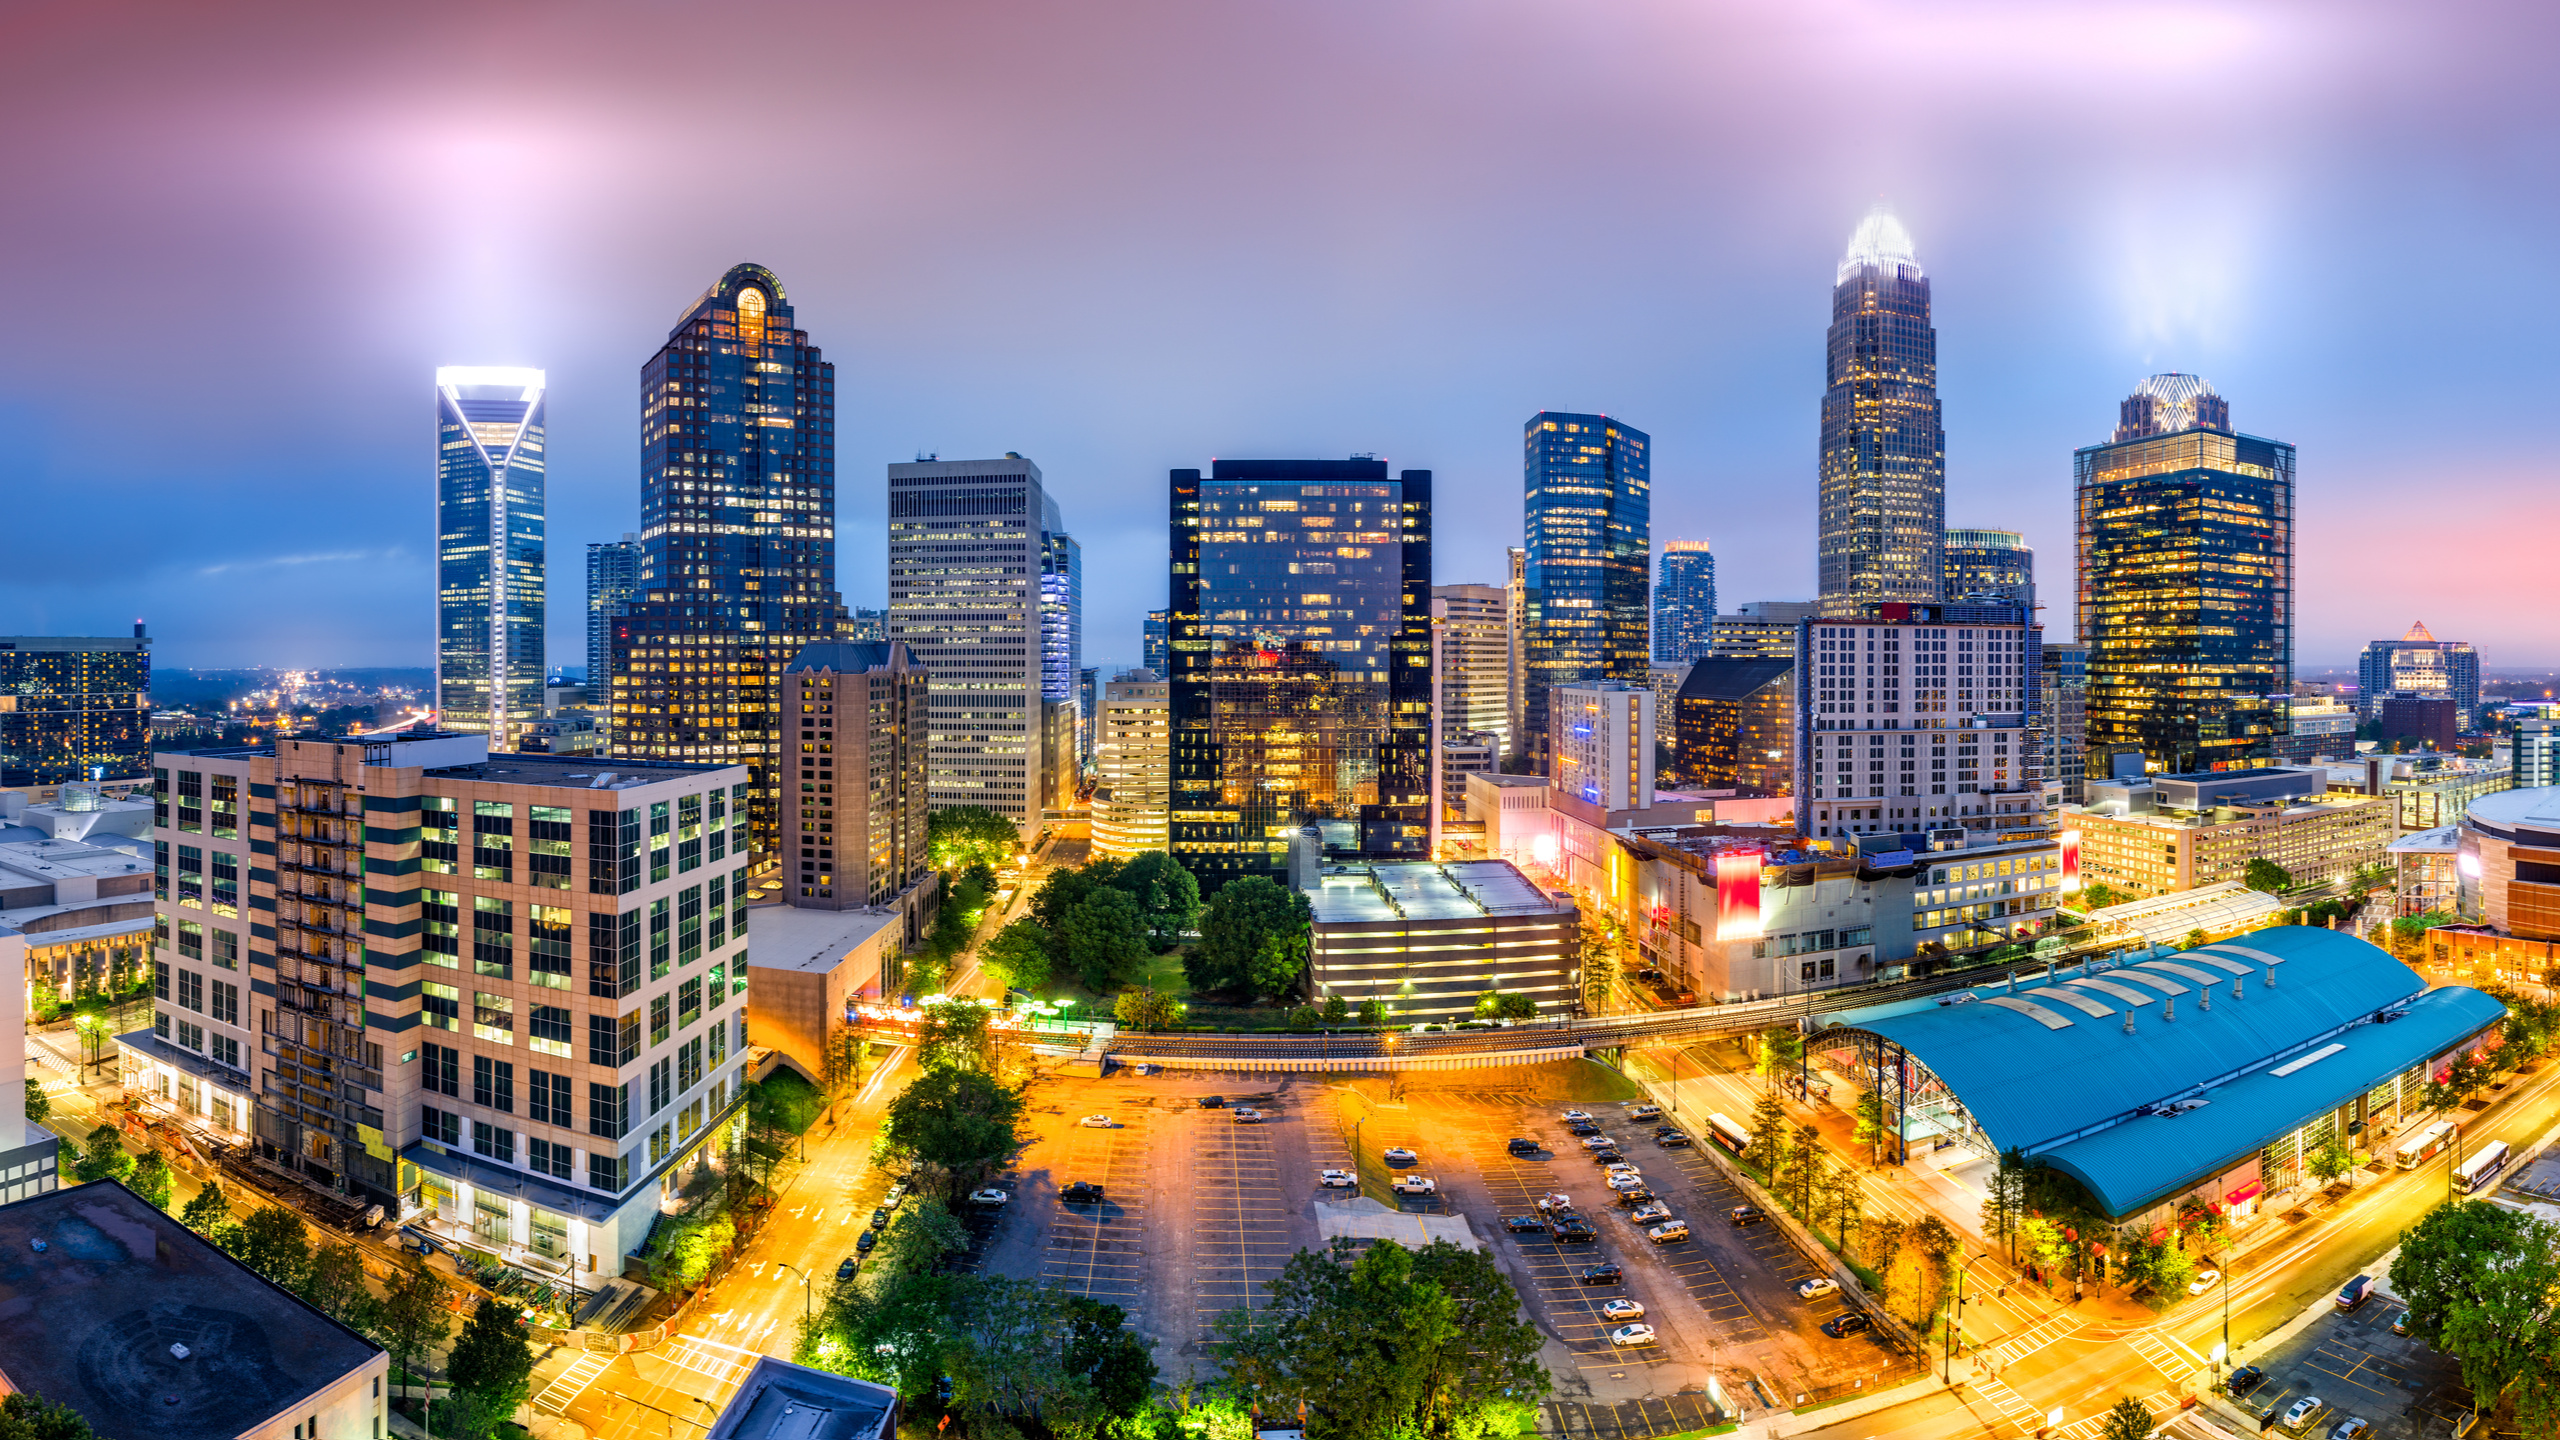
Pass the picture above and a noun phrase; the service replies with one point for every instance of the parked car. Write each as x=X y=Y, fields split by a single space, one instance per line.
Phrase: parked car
x=1571 y=1229
x=1667 y=1232
x=1632 y=1335
x=880 y=1218
x=1523 y=1224
x=1524 y=1147
x=2302 y=1412
x=988 y=1196
x=1639 y=1196
x=2351 y=1428
x=1626 y=1182
x=1608 y=1157
x=2355 y=1292
x=1413 y=1185
x=1398 y=1155
x=1817 y=1287
x=1622 y=1309
x=1597 y=1142
x=1555 y=1201
x=1745 y=1215
x=1247 y=1115
x=1842 y=1326
x=1213 y=1102
x=896 y=1193
x=1577 y=1116
x=1146 y=1069
x=1338 y=1180
x=1643 y=1112
x=1649 y=1212
x=2244 y=1380
x=1096 y=1122
x=1605 y=1273
x=863 y=1242
x=2400 y=1323
x=1083 y=1192
x=1581 y=1127
x=1670 y=1139
x=2205 y=1280
x=844 y=1268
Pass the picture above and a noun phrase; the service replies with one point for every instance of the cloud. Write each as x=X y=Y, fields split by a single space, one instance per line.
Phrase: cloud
x=335 y=557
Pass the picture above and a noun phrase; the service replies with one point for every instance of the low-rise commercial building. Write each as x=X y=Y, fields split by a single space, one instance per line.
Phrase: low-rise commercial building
x=1600 y=743
x=85 y=910
x=1427 y=939
x=1731 y=916
x=2424 y=873
x=1966 y=897
x=2162 y=833
x=809 y=968
x=781 y=1401
x=2426 y=790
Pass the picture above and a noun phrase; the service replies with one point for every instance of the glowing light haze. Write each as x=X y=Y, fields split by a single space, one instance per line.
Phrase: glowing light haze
x=1130 y=236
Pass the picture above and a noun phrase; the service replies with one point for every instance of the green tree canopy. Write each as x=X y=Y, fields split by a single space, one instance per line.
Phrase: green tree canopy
x=275 y=1243
x=2266 y=875
x=1167 y=895
x=412 y=1319
x=964 y=835
x=1253 y=939
x=39 y=1104
x=1019 y=955
x=2454 y=1256
x=2480 y=1281
x=2126 y=1420
x=1140 y=1007
x=959 y=1122
x=1393 y=1344
x=491 y=1369
x=152 y=1180
x=28 y=1416
x=334 y=1284
x=955 y=1035
x=209 y=1210
x=104 y=1156
x=1064 y=889
x=1104 y=939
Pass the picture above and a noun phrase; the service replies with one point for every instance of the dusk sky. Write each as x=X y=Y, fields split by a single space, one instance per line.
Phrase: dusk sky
x=1121 y=237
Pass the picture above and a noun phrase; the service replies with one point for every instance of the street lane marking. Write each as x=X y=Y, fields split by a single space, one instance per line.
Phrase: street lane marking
x=2012 y=1406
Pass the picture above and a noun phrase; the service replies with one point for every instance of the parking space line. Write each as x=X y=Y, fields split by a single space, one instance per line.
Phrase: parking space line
x=1099 y=1250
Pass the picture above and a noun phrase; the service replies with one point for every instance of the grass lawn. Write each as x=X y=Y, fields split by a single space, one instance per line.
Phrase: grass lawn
x=786 y=1099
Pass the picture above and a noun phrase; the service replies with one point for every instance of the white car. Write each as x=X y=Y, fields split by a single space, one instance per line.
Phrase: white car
x=1247 y=1115
x=1817 y=1287
x=1555 y=1201
x=1626 y=1182
x=1632 y=1335
x=1096 y=1122
x=988 y=1197
x=1622 y=1310
x=1338 y=1180
x=1652 y=1212
x=1398 y=1155
x=1598 y=1142
x=1573 y=1115
x=1643 y=1112
x=896 y=1193
x=2205 y=1280
x=1413 y=1185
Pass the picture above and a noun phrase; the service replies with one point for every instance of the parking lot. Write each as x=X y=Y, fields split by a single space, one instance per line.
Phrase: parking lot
x=2353 y=1363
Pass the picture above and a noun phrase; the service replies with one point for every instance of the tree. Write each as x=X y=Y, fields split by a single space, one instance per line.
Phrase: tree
x=275 y=1243
x=1141 y=1007
x=105 y=1157
x=955 y=1035
x=2508 y=1335
x=1806 y=1164
x=1336 y=1010
x=1111 y=1360
x=1390 y=1344
x=2195 y=939
x=2266 y=875
x=1515 y=1006
x=1373 y=1011
x=151 y=1179
x=1063 y=890
x=491 y=1369
x=1882 y=1243
x=1167 y=895
x=923 y=1233
x=334 y=1284
x=1870 y=1127
x=1019 y=955
x=2126 y=1420
x=1844 y=1200
x=25 y=1415
x=1928 y=1255
x=1305 y=1017
x=2098 y=895
x=1770 y=1133
x=39 y=1104
x=2172 y=1267
x=2330 y=1161
x=1104 y=939
x=210 y=1210
x=683 y=1248
x=966 y=835
x=2004 y=1201
x=1781 y=1050
x=1253 y=939
x=2452 y=1257
x=959 y=1122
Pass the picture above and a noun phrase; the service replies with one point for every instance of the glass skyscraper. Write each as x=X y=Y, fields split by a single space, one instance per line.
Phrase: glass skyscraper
x=737 y=538
x=1884 y=450
x=1587 y=515
x=489 y=549
x=1684 y=602
x=2420 y=665
x=1061 y=606
x=1990 y=567
x=613 y=578
x=74 y=705
x=1300 y=640
x=2185 y=540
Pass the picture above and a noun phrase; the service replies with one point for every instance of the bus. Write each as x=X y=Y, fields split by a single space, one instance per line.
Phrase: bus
x=1724 y=1132
x=2482 y=1168
x=2418 y=1149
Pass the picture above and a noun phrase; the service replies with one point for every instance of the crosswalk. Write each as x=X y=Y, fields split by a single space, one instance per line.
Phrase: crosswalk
x=2012 y=1406
x=2161 y=1403
x=2163 y=1356
x=557 y=1396
x=2034 y=1338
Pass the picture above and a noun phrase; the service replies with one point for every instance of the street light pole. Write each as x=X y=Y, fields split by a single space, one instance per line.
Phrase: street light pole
x=804 y=1289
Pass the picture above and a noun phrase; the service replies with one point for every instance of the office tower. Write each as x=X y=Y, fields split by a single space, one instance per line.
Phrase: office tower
x=1990 y=567
x=1666 y=681
x=2062 y=720
x=1884 y=452
x=1587 y=515
x=1600 y=743
x=965 y=580
x=521 y=1036
x=1515 y=605
x=1759 y=629
x=2185 y=580
x=855 y=715
x=1061 y=606
x=1132 y=766
x=1152 y=646
x=863 y=627
x=2537 y=754
x=1300 y=629
x=1684 y=601
x=737 y=539
x=2418 y=666
x=1088 y=711
x=489 y=549
x=613 y=578
x=1475 y=662
x=1915 y=718
x=78 y=706
x=1737 y=721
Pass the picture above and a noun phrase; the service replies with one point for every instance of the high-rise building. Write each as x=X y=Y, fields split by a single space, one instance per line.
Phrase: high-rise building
x=1600 y=745
x=1916 y=718
x=1759 y=629
x=1301 y=643
x=1684 y=601
x=2185 y=580
x=2537 y=754
x=531 y=1035
x=965 y=576
x=1587 y=514
x=1990 y=567
x=737 y=538
x=1088 y=711
x=2418 y=666
x=1151 y=647
x=1475 y=661
x=863 y=627
x=1061 y=606
x=489 y=549
x=1736 y=717
x=854 y=809
x=1515 y=603
x=1884 y=451
x=1132 y=789
x=78 y=706
x=2062 y=721
x=613 y=579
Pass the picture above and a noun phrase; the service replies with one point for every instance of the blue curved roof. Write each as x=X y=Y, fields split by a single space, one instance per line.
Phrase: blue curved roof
x=2038 y=1071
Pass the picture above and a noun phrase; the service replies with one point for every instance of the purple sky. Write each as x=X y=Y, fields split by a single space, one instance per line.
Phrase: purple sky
x=1128 y=236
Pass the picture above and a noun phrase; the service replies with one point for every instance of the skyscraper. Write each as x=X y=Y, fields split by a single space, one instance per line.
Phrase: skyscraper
x=2419 y=666
x=1884 y=452
x=1684 y=601
x=489 y=549
x=1475 y=662
x=856 y=717
x=1515 y=611
x=2185 y=580
x=1587 y=515
x=1151 y=644
x=1061 y=606
x=966 y=571
x=737 y=538
x=613 y=578
x=77 y=704
x=2061 y=724
x=1130 y=779
x=1989 y=567
x=1301 y=646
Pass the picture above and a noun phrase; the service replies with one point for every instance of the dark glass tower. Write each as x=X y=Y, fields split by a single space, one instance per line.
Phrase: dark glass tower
x=489 y=549
x=1588 y=518
x=1300 y=640
x=1884 y=452
x=76 y=705
x=737 y=539
x=613 y=578
x=1990 y=567
x=1684 y=602
x=2185 y=531
x=1061 y=606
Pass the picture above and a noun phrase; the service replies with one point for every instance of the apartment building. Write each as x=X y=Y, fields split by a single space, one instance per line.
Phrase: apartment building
x=2163 y=833
x=1915 y=718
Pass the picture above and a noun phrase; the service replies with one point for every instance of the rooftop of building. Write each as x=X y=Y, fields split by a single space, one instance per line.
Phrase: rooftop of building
x=2164 y=919
x=97 y=1286
x=782 y=1401
x=810 y=941
x=846 y=657
x=1720 y=678
x=2076 y=1066
x=2293 y=808
x=1511 y=782
x=1423 y=890
x=2442 y=840
x=576 y=772
x=54 y=861
x=2537 y=807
